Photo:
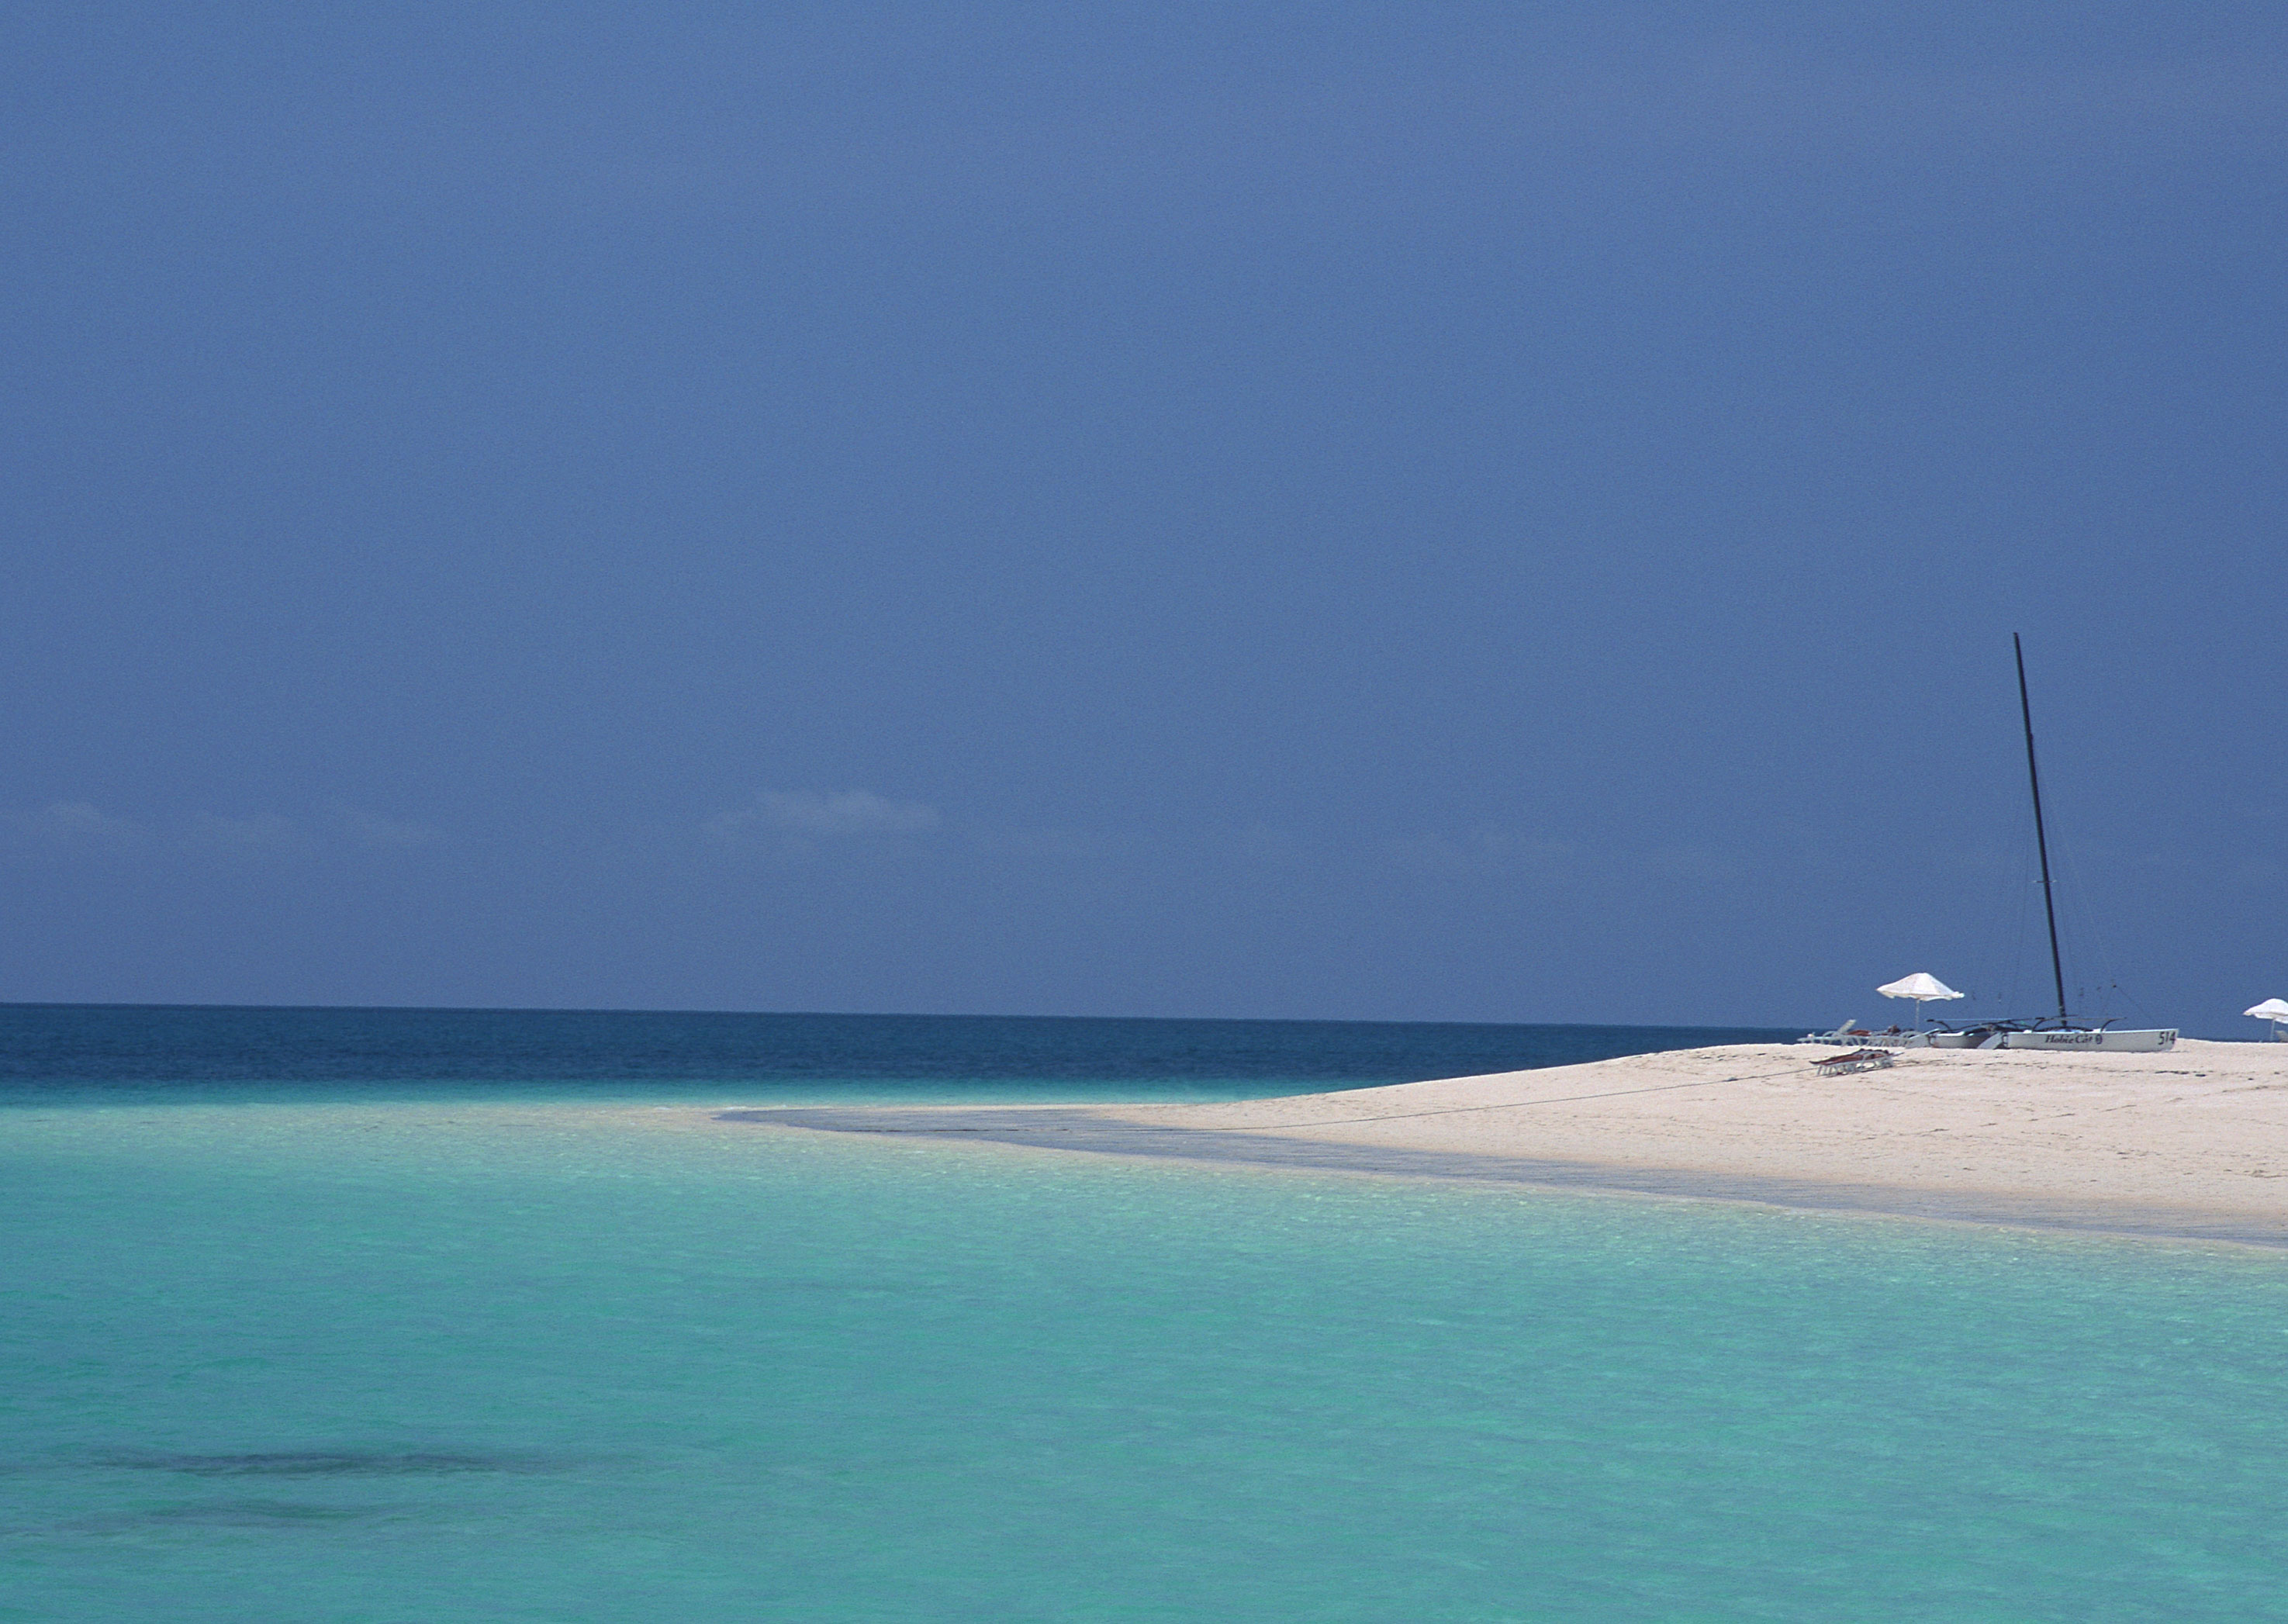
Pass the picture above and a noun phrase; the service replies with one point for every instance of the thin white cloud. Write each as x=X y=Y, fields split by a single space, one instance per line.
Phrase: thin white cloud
x=263 y=832
x=73 y=823
x=1490 y=851
x=812 y=814
x=81 y=825
x=362 y=828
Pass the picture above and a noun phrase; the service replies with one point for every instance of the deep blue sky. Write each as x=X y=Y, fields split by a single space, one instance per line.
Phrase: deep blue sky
x=1468 y=512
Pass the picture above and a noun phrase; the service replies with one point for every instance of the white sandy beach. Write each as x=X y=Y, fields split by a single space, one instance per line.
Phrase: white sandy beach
x=2202 y=1126
x=2193 y=1142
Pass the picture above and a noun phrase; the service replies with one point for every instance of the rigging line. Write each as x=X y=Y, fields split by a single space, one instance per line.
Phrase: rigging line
x=2109 y=977
x=2082 y=898
x=2083 y=918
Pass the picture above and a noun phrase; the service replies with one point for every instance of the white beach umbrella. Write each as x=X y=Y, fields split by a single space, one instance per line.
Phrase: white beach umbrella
x=1921 y=986
x=2273 y=1010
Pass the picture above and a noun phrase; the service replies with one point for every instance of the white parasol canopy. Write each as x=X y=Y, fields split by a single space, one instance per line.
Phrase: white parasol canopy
x=2271 y=1009
x=1922 y=987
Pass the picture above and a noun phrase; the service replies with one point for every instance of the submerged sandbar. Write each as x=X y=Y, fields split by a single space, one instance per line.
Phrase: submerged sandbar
x=2192 y=1142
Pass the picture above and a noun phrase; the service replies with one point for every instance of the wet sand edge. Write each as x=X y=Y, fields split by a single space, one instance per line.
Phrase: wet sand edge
x=1075 y=1129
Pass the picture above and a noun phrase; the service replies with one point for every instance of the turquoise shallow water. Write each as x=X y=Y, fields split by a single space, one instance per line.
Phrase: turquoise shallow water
x=425 y=1316
x=363 y=1361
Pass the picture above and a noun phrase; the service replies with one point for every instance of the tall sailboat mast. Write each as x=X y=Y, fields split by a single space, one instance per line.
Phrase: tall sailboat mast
x=2041 y=839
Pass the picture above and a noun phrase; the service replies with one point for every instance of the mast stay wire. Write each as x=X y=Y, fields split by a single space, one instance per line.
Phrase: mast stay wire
x=2087 y=922
x=2068 y=893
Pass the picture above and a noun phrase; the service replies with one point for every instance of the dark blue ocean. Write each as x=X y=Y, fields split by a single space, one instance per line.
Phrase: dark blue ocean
x=425 y=1316
x=306 y=1054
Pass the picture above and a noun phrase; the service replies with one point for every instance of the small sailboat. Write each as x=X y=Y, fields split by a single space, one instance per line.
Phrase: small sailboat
x=2064 y=1031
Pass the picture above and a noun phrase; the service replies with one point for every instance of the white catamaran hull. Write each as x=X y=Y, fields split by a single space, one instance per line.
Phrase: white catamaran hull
x=2113 y=1042
x=2117 y=1042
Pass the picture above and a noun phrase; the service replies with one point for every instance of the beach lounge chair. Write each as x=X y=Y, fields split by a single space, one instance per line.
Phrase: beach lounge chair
x=1856 y=1060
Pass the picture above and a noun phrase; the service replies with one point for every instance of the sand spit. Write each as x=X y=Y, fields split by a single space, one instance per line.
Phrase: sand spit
x=2192 y=1142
